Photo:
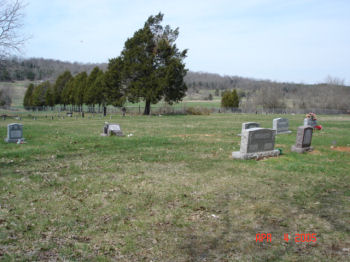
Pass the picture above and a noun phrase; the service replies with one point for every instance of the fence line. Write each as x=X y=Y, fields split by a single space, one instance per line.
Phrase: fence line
x=166 y=109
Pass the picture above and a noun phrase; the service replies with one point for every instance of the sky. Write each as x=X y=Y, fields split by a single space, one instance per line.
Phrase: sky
x=301 y=41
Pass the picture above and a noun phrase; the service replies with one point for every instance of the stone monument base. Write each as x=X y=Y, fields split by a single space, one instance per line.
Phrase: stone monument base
x=301 y=150
x=115 y=133
x=8 y=140
x=283 y=132
x=244 y=156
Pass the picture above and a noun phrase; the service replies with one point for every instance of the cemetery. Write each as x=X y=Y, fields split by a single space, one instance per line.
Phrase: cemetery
x=124 y=140
x=173 y=190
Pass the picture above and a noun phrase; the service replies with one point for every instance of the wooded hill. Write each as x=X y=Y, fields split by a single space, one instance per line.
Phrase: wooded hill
x=332 y=94
x=17 y=69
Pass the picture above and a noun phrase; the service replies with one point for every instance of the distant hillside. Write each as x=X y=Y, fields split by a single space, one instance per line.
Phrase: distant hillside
x=17 y=69
x=201 y=86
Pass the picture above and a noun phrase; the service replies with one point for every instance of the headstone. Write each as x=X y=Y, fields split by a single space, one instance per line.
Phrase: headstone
x=248 y=125
x=257 y=143
x=69 y=114
x=303 y=141
x=14 y=133
x=112 y=130
x=310 y=122
x=281 y=126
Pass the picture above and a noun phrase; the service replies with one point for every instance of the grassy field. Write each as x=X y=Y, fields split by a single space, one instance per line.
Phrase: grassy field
x=171 y=192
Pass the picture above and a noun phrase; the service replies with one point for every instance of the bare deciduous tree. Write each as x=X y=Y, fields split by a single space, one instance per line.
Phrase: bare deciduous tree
x=10 y=22
x=334 y=81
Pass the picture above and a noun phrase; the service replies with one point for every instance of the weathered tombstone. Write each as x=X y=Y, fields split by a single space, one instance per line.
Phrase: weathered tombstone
x=105 y=129
x=248 y=125
x=112 y=130
x=257 y=143
x=303 y=141
x=281 y=126
x=69 y=114
x=14 y=133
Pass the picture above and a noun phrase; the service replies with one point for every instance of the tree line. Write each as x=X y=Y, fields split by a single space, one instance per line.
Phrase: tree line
x=150 y=68
x=36 y=69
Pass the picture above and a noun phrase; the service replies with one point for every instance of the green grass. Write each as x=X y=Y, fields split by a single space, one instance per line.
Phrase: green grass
x=171 y=192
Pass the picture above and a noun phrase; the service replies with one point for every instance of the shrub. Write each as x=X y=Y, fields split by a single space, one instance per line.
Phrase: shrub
x=197 y=111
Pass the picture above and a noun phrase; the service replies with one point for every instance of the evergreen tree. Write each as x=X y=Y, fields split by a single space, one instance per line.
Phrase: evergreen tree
x=79 y=89
x=152 y=65
x=230 y=99
x=91 y=92
x=39 y=94
x=60 y=83
x=67 y=96
x=111 y=89
x=27 y=100
x=235 y=98
x=49 y=97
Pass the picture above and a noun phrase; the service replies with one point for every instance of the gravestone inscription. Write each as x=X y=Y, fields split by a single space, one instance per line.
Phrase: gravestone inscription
x=303 y=140
x=281 y=125
x=257 y=143
x=14 y=133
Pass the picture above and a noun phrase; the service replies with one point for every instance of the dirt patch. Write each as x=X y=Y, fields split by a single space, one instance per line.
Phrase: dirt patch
x=341 y=148
x=315 y=152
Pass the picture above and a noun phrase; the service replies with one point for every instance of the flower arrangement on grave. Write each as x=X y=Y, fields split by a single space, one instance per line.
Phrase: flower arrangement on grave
x=312 y=116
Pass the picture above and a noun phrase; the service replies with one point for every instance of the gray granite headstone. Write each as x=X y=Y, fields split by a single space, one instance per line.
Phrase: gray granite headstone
x=310 y=122
x=248 y=125
x=112 y=130
x=14 y=133
x=257 y=143
x=281 y=125
x=303 y=141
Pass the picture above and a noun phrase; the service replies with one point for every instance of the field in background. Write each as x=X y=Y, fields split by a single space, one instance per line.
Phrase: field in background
x=19 y=87
x=171 y=192
x=18 y=90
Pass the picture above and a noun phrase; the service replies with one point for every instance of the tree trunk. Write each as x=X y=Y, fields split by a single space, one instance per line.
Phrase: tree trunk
x=104 y=110
x=147 y=108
